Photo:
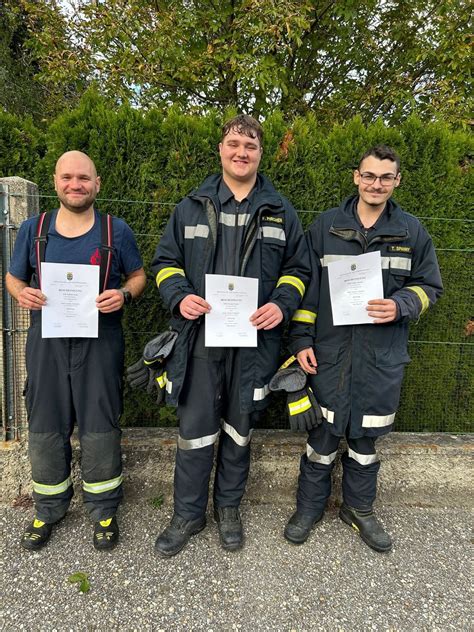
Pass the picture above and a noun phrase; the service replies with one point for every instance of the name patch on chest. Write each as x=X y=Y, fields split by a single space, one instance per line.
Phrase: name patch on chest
x=275 y=220
x=406 y=249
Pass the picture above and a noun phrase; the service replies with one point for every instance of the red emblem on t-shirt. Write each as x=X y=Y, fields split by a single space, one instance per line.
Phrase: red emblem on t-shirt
x=95 y=258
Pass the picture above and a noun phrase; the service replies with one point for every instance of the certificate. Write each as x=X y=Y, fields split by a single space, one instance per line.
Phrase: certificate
x=70 y=310
x=233 y=299
x=353 y=281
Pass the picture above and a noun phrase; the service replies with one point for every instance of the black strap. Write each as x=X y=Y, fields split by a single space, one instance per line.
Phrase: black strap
x=41 y=238
x=106 y=246
x=106 y=249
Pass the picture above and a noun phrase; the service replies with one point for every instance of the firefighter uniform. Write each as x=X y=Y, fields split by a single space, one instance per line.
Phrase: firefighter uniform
x=360 y=367
x=75 y=380
x=224 y=389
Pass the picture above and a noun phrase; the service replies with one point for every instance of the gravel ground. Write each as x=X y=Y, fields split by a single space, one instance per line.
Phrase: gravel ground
x=333 y=582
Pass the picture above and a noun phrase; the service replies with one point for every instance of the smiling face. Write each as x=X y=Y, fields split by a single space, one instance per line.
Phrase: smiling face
x=376 y=194
x=240 y=157
x=76 y=181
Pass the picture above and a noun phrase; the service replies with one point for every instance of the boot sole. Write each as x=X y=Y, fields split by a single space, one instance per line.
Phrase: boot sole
x=348 y=520
x=176 y=551
x=33 y=547
x=108 y=547
x=302 y=541
x=232 y=547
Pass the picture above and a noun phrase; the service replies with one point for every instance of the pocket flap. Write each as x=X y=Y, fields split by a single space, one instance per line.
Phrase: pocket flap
x=391 y=357
x=327 y=353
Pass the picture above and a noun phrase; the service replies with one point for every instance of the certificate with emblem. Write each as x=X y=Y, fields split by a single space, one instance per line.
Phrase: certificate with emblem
x=71 y=291
x=353 y=282
x=233 y=299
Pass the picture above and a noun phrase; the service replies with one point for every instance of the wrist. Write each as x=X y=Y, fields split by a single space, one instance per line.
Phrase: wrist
x=127 y=296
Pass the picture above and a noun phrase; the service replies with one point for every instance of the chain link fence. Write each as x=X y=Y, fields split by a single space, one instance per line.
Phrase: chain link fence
x=438 y=385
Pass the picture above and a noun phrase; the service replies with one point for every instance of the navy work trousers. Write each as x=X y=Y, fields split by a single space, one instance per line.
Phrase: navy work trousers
x=75 y=380
x=359 y=479
x=209 y=402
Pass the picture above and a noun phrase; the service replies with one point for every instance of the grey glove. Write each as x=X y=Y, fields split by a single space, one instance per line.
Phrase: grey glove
x=148 y=372
x=304 y=412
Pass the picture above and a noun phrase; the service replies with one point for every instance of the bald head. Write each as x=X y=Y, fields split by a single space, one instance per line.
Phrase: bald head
x=76 y=182
x=75 y=157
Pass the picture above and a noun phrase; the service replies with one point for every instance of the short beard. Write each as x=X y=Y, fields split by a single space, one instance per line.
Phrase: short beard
x=77 y=209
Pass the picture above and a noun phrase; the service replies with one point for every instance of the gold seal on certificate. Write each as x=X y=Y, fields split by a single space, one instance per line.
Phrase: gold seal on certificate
x=71 y=291
x=233 y=299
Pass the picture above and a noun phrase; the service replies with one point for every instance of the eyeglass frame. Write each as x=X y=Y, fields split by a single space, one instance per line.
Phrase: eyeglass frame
x=374 y=178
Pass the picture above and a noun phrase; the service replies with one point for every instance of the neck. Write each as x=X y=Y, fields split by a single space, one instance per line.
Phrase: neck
x=238 y=188
x=368 y=214
x=70 y=224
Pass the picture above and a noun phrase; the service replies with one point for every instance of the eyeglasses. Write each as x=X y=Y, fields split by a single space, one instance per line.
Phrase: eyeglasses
x=385 y=180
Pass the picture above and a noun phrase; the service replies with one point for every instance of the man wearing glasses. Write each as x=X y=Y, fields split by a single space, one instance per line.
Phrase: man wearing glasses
x=356 y=370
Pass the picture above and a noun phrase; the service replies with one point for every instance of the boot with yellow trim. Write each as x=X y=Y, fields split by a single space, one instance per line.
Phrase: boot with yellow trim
x=367 y=526
x=106 y=534
x=36 y=535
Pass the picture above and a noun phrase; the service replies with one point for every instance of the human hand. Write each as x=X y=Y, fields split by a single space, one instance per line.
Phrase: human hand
x=31 y=298
x=307 y=360
x=193 y=306
x=109 y=301
x=267 y=317
x=384 y=310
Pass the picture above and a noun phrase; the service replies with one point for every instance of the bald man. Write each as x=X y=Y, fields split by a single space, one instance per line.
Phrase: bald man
x=75 y=380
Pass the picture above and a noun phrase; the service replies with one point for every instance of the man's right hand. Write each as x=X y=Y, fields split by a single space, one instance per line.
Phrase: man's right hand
x=31 y=298
x=193 y=306
x=307 y=360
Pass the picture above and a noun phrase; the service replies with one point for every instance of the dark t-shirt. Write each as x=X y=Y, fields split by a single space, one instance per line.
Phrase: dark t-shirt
x=84 y=249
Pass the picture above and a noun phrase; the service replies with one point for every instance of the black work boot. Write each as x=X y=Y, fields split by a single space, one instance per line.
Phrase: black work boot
x=36 y=535
x=175 y=537
x=367 y=526
x=230 y=527
x=299 y=527
x=106 y=534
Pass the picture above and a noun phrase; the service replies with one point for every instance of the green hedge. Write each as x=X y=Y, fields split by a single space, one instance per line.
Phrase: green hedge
x=149 y=161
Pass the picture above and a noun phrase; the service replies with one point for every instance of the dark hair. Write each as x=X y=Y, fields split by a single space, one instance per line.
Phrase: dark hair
x=382 y=152
x=243 y=124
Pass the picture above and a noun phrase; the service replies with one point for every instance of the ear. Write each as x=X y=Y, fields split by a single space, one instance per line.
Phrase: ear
x=397 y=180
x=54 y=181
x=356 y=176
x=98 y=183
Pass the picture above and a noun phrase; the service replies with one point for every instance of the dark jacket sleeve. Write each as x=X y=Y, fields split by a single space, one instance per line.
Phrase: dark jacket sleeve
x=424 y=286
x=303 y=322
x=295 y=272
x=168 y=263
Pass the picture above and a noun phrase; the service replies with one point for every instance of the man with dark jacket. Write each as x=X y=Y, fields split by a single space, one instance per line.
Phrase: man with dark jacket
x=237 y=224
x=356 y=370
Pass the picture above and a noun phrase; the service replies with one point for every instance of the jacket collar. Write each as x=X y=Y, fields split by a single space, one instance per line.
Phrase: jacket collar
x=392 y=222
x=264 y=193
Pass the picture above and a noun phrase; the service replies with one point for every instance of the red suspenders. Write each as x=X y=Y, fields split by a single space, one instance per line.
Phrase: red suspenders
x=106 y=246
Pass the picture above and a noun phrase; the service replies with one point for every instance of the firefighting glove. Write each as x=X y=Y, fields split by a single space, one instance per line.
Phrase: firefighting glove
x=304 y=412
x=148 y=372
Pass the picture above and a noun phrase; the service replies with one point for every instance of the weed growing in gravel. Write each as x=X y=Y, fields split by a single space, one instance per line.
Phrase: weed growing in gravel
x=82 y=579
x=157 y=501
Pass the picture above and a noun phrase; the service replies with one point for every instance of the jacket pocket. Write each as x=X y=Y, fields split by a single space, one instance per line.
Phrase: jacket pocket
x=327 y=354
x=391 y=357
x=397 y=278
x=272 y=258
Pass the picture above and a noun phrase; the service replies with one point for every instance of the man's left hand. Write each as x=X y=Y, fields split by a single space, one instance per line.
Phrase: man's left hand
x=267 y=317
x=384 y=310
x=109 y=301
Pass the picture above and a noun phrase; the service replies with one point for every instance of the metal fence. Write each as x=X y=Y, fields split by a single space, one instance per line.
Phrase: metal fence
x=438 y=386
